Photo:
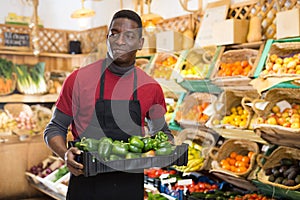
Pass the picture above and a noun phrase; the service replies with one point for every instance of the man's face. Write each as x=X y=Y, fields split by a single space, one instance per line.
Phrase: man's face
x=124 y=41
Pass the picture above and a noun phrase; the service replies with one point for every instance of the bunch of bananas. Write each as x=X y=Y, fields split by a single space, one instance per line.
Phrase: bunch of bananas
x=195 y=160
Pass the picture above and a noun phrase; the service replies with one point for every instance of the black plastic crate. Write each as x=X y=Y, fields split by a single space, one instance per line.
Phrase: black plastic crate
x=94 y=165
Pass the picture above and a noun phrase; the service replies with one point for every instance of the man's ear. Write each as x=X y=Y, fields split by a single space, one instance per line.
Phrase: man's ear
x=141 y=43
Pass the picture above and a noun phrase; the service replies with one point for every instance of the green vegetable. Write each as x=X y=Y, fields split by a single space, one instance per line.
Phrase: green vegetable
x=6 y=68
x=136 y=141
x=135 y=149
x=148 y=143
x=120 y=148
x=113 y=157
x=161 y=136
x=164 y=151
x=60 y=173
x=131 y=155
x=164 y=144
x=105 y=148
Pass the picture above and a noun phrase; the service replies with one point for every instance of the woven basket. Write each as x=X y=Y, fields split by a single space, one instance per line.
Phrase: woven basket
x=231 y=56
x=188 y=104
x=229 y=99
x=13 y=86
x=276 y=134
x=158 y=70
x=202 y=136
x=273 y=160
x=282 y=50
x=14 y=109
x=239 y=146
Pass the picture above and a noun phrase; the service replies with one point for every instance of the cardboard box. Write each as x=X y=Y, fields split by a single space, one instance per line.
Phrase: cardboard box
x=167 y=41
x=288 y=23
x=231 y=31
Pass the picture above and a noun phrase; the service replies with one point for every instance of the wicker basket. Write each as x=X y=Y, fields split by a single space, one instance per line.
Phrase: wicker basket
x=273 y=160
x=189 y=104
x=232 y=56
x=159 y=69
x=240 y=146
x=13 y=80
x=282 y=50
x=229 y=99
x=202 y=136
x=14 y=109
x=276 y=134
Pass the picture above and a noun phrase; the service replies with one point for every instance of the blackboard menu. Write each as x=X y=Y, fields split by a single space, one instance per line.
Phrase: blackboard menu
x=16 y=39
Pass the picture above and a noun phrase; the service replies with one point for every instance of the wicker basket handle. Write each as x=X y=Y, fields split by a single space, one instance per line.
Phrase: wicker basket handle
x=259 y=158
x=251 y=60
x=244 y=102
x=206 y=57
x=213 y=152
x=216 y=102
x=254 y=107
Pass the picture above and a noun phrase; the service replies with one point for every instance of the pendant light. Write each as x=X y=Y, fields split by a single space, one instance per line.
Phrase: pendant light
x=83 y=12
x=150 y=19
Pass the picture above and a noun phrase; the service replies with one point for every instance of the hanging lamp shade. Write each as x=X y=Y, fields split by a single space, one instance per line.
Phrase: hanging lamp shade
x=155 y=18
x=83 y=12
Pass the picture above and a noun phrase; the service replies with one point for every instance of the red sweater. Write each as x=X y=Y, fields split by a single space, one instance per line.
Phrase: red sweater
x=81 y=89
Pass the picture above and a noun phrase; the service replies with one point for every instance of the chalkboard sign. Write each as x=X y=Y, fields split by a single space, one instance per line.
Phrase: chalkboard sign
x=16 y=39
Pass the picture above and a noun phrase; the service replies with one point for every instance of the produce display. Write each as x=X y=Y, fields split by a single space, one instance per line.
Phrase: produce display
x=288 y=117
x=135 y=147
x=46 y=167
x=238 y=68
x=287 y=173
x=7 y=77
x=238 y=117
x=163 y=66
x=280 y=65
x=6 y=122
x=195 y=158
x=31 y=79
x=237 y=162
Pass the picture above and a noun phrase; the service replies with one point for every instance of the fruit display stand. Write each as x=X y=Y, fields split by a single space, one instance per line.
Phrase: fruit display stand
x=270 y=73
x=278 y=173
x=235 y=65
x=278 y=114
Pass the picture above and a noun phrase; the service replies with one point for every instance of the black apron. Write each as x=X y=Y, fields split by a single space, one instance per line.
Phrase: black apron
x=111 y=119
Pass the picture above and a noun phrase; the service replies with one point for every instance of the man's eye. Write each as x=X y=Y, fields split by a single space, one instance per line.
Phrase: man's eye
x=113 y=35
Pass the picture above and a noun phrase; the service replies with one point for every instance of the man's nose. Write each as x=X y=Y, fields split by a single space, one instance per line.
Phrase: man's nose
x=121 y=39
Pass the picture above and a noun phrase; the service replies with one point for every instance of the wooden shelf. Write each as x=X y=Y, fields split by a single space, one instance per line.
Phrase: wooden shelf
x=29 y=53
x=21 y=98
x=47 y=191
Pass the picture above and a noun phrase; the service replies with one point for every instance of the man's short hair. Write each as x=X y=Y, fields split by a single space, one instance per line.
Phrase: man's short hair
x=129 y=14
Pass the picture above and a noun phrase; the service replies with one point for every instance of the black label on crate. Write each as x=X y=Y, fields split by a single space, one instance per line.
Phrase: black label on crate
x=16 y=39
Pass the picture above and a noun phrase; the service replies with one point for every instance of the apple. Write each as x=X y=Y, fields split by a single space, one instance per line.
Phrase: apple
x=287 y=124
x=272 y=120
x=295 y=125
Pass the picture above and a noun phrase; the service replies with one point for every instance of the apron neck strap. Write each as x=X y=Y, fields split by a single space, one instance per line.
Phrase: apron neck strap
x=102 y=81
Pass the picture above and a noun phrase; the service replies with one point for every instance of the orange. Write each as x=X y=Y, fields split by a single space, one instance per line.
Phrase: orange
x=232 y=161
x=233 y=154
x=239 y=157
x=250 y=154
x=246 y=159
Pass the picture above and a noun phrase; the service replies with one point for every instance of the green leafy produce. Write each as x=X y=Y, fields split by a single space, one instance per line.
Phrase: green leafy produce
x=6 y=68
x=31 y=78
x=61 y=172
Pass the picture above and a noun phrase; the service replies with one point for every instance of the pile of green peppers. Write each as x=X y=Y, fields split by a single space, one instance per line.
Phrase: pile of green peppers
x=135 y=147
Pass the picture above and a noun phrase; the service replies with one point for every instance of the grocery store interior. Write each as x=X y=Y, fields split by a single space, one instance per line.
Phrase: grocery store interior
x=230 y=73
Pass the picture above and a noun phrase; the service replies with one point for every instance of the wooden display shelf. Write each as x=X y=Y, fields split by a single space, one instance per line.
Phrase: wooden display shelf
x=40 y=187
x=21 y=98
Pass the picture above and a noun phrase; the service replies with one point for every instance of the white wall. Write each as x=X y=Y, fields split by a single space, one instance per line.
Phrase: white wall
x=56 y=13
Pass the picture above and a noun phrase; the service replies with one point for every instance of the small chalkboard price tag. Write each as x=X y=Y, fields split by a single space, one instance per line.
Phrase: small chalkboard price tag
x=16 y=39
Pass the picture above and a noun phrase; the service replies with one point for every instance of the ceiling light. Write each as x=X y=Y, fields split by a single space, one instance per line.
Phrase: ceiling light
x=83 y=12
x=150 y=19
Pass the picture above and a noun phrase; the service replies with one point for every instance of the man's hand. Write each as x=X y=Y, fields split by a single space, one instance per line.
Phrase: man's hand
x=73 y=166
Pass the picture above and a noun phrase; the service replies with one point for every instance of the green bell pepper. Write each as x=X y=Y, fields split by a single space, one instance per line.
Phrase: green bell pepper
x=120 y=148
x=131 y=155
x=164 y=144
x=87 y=144
x=105 y=148
x=161 y=136
x=136 y=141
x=164 y=151
x=134 y=149
x=148 y=144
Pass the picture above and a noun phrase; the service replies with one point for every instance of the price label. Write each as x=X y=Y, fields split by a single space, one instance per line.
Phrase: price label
x=185 y=182
x=170 y=180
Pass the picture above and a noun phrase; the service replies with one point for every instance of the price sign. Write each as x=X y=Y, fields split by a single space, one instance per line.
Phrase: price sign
x=16 y=39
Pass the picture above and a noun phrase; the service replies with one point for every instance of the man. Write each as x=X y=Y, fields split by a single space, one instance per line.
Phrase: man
x=110 y=97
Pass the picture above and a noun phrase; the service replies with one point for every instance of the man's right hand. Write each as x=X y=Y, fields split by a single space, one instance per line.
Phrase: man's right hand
x=74 y=167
